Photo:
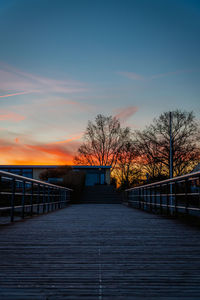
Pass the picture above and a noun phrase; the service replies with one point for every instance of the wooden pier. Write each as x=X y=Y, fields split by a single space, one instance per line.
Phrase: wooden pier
x=99 y=251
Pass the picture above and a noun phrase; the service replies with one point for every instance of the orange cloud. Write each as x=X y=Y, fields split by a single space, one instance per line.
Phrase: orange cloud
x=37 y=154
x=55 y=151
x=125 y=113
x=10 y=116
x=69 y=140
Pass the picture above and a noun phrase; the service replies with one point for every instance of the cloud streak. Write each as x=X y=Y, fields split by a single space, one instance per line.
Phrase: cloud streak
x=11 y=116
x=68 y=140
x=125 y=113
x=135 y=76
x=18 y=82
x=15 y=94
x=131 y=75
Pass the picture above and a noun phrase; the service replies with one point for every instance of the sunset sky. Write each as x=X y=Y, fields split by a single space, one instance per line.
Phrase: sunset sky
x=63 y=62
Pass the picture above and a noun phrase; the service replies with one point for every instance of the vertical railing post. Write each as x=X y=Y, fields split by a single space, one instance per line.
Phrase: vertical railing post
x=38 y=199
x=64 y=200
x=167 y=192
x=54 y=198
x=12 y=210
x=143 y=195
x=155 y=198
x=160 y=199
x=23 y=196
x=62 y=203
x=175 y=199
x=60 y=199
x=65 y=195
x=51 y=199
x=57 y=199
x=32 y=195
x=150 y=206
x=186 y=197
x=139 y=198
x=31 y=199
x=146 y=198
x=48 y=198
x=44 y=196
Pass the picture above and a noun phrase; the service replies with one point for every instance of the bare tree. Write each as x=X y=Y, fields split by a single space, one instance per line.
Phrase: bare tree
x=154 y=144
x=127 y=170
x=103 y=141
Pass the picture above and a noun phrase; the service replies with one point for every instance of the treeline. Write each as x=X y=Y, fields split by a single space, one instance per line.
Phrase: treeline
x=142 y=155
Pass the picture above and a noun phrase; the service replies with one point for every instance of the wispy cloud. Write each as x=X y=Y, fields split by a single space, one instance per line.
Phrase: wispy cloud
x=15 y=94
x=131 y=75
x=135 y=76
x=10 y=116
x=156 y=76
x=125 y=113
x=14 y=82
x=74 y=138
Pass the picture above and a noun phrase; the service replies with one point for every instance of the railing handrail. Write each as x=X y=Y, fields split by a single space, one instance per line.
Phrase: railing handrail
x=178 y=178
x=27 y=179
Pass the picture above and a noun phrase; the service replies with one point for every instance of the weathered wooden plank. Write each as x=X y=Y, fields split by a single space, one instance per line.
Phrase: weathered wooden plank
x=99 y=251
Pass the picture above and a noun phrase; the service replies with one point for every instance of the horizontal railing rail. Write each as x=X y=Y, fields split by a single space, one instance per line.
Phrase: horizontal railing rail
x=23 y=196
x=180 y=194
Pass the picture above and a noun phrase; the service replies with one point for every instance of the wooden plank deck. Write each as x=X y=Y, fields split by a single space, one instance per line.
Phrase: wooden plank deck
x=92 y=251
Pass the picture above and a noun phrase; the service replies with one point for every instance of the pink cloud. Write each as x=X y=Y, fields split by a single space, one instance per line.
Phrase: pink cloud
x=15 y=94
x=18 y=82
x=10 y=116
x=125 y=113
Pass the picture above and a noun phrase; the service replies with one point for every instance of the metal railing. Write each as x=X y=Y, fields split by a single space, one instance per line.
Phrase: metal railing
x=172 y=196
x=22 y=196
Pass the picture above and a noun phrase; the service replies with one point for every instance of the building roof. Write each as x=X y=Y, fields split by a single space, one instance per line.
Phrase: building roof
x=51 y=166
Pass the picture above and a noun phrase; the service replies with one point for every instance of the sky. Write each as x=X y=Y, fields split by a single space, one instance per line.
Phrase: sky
x=64 y=62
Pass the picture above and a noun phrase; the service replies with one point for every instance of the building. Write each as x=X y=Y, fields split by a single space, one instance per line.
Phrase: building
x=196 y=169
x=94 y=174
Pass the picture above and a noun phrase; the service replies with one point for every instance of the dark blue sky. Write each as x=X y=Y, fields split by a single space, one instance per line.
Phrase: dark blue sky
x=62 y=62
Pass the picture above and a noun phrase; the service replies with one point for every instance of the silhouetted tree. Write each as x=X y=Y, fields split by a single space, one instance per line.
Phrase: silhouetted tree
x=154 y=144
x=103 y=141
x=127 y=170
